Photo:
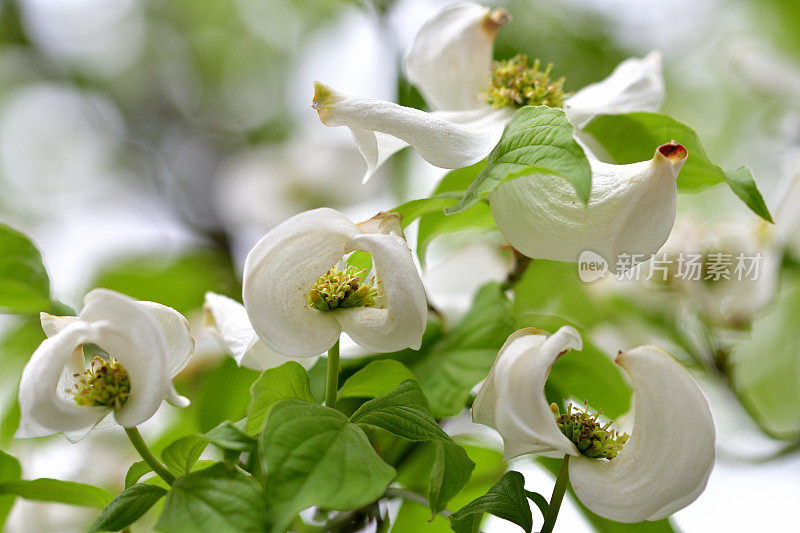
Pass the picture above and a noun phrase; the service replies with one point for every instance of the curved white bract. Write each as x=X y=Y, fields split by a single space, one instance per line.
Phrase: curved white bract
x=631 y=210
x=512 y=399
x=283 y=266
x=227 y=320
x=450 y=62
x=665 y=463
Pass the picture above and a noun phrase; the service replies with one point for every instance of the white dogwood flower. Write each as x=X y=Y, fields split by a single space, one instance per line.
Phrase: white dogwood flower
x=146 y=344
x=300 y=295
x=631 y=210
x=662 y=467
x=472 y=99
x=227 y=320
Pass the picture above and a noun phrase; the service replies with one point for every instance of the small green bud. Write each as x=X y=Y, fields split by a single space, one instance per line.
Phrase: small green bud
x=591 y=439
x=515 y=84
x=104 y=384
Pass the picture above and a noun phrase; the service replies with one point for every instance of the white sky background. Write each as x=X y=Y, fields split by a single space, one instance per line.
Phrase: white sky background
x=353 y=55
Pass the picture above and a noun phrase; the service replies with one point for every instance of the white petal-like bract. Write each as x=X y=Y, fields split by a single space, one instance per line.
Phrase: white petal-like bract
x=631 y=210
x=512 y=399
x=227 y=320
x=450 y=59
x=665 y=464
x=635 y=85
x=447 y=139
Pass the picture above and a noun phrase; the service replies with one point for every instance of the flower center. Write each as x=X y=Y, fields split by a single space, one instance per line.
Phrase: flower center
x=516 y=84
x=104 y=384
x=342 y=288
x=592 y=439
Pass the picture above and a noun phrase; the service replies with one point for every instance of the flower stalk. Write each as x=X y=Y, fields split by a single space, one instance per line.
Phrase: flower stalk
x=141 y=447
x=558 y=496
x=332 y=388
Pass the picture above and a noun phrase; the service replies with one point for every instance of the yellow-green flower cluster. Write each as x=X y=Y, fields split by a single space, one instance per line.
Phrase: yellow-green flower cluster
x=342 y=289
x=516 y=84
x=105 y=383
x=592 y=439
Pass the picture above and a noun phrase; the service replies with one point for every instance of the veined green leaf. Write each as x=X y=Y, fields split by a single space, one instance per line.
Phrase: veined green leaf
x=214 y=499
x=231 y=436
x=436 y=223
x=376 y=379
x=463 y=357
x=312 y=455
x=743 y=184
x=405 y=412
x=632 y=137
x=182 y=454
x=538 y=140
x=127 y=507
x=506 y=499
x=136 y=471
x=54 y=490
x=290 y=380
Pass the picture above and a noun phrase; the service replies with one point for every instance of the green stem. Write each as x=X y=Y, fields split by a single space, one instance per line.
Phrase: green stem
x=141 y=447
x=558 y=496
x=332 y=388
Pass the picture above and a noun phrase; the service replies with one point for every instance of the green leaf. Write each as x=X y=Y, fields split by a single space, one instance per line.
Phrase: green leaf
x=463 y=357
x=376 y=379
x=451 y=470
x=743 y=184
x=538 y=140
x=412 y=474
x=403 y=412
x=54 y=490
x=632 y=137
x=413 y=209
x=290 y=380
x=135 y=473
x=230 y=436
x=312 y=455
x=506 y=499
x=214 y=499
x=436 y=223
x=9 y=471
x=182 y=454
x=127 y=507
x=24 y=285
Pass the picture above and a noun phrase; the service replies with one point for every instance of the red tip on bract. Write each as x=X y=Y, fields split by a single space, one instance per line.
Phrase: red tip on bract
x=673 y=151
